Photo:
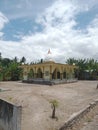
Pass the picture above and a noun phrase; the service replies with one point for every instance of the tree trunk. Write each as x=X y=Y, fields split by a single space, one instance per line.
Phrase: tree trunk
x=53 y=112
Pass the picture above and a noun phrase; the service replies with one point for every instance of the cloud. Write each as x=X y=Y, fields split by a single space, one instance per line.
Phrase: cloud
x=59 y=34
x=3 y=21
x=59 y=13
x=86 y=5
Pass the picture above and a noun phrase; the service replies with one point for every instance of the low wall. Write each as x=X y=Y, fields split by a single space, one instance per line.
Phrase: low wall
x=76 y=121
x=49 y=82
x=10 y=116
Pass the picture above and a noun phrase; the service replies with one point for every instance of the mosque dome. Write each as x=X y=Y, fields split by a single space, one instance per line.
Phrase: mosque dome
x=49 y=57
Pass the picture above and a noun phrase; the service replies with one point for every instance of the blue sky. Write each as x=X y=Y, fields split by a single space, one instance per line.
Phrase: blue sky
x=30 y=27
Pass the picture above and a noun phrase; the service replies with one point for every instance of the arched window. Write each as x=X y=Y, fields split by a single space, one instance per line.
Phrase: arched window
x=31 y=74
x=56 y=74
x=39 y=73
x=64 y=74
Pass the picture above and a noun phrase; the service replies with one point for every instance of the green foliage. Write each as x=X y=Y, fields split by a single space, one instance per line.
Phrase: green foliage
x=14 y=71
x=0 y=90
x=89 y=119
x=54 y=103
x=88 y=68
x=31 y=74
x=9 y=69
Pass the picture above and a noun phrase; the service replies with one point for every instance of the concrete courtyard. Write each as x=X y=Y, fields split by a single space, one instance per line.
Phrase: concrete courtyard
x=35 y=101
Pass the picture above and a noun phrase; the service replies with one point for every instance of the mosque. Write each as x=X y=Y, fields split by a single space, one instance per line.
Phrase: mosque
x=49 y=72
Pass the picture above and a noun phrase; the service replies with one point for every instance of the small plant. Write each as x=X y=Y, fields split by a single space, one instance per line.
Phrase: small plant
x=10 y=98
x=54 y=105
x=1 y=90
x=89 y=119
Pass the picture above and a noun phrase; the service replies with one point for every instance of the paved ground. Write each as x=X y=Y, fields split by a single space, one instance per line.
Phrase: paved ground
x=35 y=101
x=93 y=125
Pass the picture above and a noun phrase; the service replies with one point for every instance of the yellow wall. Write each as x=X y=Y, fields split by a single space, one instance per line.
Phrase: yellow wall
x=47 y=69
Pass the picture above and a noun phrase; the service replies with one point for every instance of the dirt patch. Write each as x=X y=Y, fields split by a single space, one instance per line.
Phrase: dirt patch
x=35 y=100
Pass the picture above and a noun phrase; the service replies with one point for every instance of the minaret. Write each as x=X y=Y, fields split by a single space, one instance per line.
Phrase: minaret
x=49 y=56
x=49 y=52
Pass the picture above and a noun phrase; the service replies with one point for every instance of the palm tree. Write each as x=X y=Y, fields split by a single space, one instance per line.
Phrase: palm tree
x=87 y=68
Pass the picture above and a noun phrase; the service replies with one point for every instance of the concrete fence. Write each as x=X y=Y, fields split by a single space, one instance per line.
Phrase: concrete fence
x=76 y=121
x=10 y=116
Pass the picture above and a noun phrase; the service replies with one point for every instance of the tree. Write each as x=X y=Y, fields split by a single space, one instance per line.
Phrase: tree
x=5 y=62
x=87 y=68
x=14 y=71
x=54 y=105
x=23 y=60
x=10 y=69
x=15 y=59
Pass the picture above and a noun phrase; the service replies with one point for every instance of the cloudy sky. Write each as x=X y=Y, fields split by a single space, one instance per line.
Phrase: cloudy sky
x=30 y=27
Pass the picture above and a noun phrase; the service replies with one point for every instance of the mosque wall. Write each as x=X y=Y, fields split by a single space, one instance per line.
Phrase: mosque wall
x=49 y=70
